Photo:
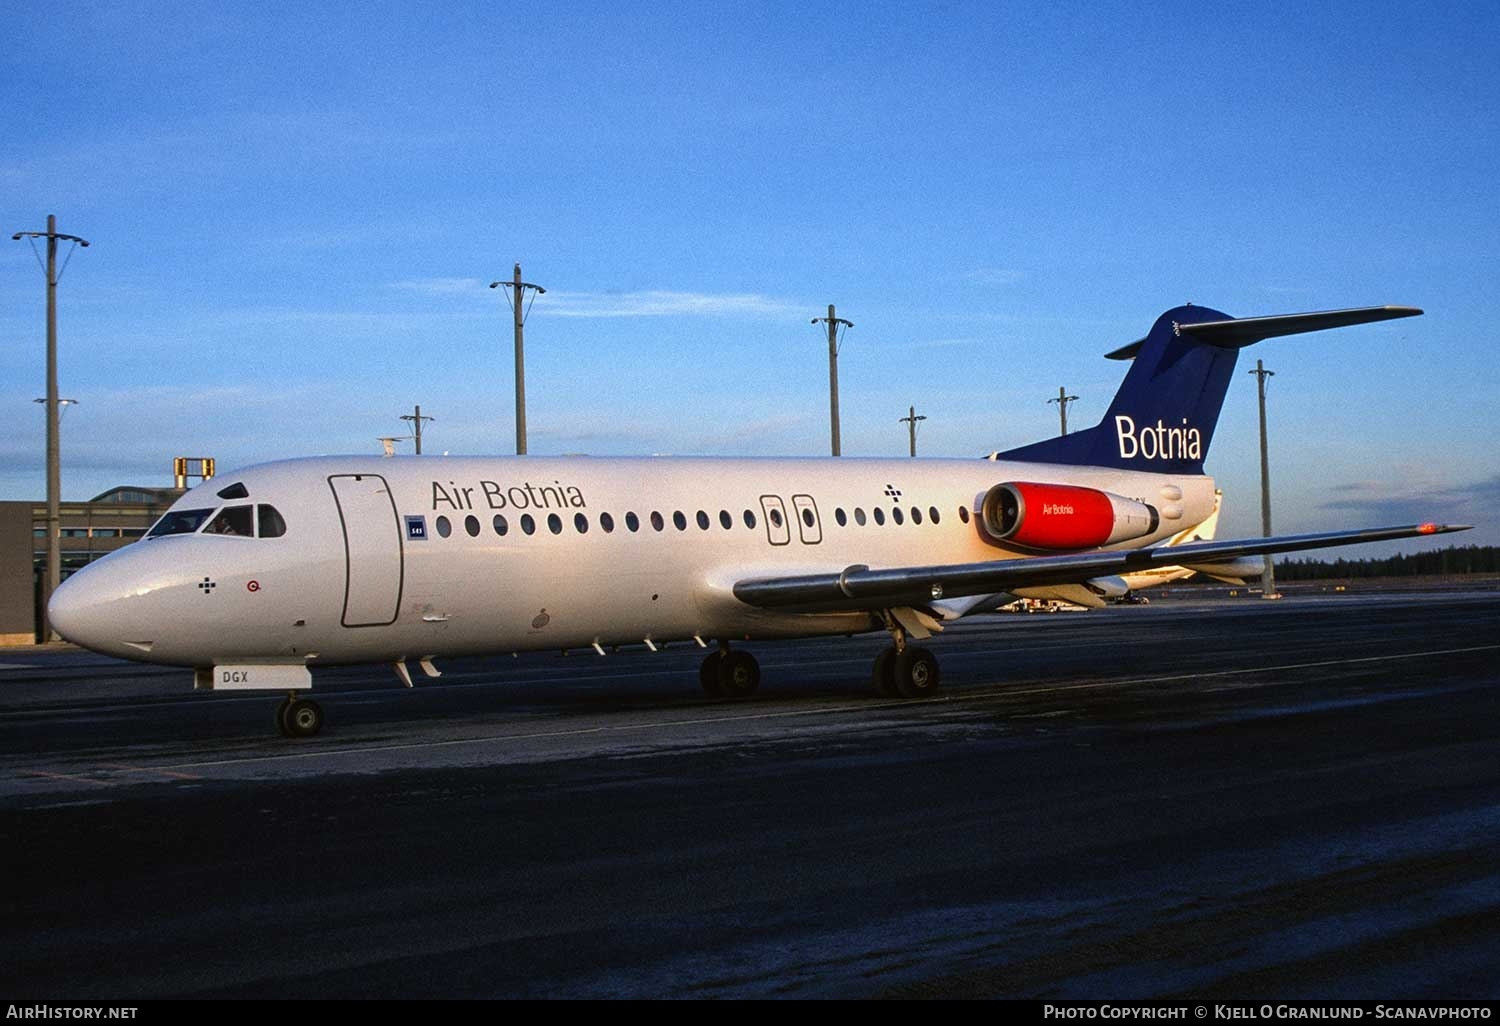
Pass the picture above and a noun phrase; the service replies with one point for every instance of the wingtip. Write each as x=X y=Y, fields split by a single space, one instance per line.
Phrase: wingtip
x=1432 y=528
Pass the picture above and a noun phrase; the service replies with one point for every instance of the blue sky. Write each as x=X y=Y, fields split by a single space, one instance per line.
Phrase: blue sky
x=295 y=210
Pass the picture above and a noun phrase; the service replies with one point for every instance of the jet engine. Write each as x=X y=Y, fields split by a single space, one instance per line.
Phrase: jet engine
x=1061 y=517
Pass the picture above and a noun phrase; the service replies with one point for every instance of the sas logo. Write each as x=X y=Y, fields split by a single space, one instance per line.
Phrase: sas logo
x=1158 y=442
x=416 y=528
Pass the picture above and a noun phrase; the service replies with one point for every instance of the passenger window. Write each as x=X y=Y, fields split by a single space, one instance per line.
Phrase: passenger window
x=271 y=524
x=527 y=524
x=679 y=520
x=554 y=523
x=896 y=515
x=702 y=521
x=580 y=523
x=471 y=524
x=838 y=515
x=502 y=526
x=879 y=515
x=933 y=513
x=656 y=521
x=963 y=513
x=775 y=517
x=443 y=527
x=750 y=519
x=725 y=520
x=633 y=522
x=916 y=514
x=606 y=523
x=235 y=520
x=807 y=517
x=859 y=515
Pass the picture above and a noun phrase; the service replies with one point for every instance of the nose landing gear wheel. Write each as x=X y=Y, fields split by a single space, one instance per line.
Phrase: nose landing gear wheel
x=299 y=717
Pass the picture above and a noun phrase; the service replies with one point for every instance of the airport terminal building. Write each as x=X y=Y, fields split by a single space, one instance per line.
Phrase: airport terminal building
x=89 y=530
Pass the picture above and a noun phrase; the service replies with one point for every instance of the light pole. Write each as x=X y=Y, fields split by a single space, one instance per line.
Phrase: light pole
x=54 y=474
x=910 y=420
x=833 y=323
x=416 y=418
x=1268 y=577
x=1062 y=401
x=518 y=288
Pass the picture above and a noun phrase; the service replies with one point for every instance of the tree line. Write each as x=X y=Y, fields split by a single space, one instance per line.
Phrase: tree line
x=1467 y=559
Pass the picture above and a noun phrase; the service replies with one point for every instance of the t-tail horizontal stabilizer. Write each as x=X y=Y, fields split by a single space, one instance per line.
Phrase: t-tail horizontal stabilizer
x=1239 y=332
x=1163 y=417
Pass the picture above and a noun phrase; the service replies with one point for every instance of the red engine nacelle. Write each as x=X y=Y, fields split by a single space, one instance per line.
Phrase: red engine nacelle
x=1061 y=517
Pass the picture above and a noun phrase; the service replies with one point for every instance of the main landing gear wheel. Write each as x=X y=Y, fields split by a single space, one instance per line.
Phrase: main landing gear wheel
x=909 y=673
x=916 y=672
x=727 y=674
x=739 y=675
x=299 y=717
x=708 y=674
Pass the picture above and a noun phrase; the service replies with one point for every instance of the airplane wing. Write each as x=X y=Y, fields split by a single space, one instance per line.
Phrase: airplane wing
x=861 y=588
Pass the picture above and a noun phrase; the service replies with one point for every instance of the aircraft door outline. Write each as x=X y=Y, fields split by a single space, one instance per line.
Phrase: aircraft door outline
x=810 y=533
x=778 y=531
x=374 y=550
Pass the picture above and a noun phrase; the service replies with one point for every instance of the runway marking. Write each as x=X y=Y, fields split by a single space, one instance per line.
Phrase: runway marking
x=1253 y=669
x=150 y=769
x=787 y=713
x=66 y=776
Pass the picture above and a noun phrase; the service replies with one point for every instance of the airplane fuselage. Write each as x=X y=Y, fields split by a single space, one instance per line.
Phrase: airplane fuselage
x=387 y=559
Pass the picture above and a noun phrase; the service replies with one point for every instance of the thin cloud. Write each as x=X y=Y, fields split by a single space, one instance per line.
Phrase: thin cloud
x=995 y=276
x=661 y=303
x=441 y=286
x=359 y=321
x=1419 y=502
x=946 y=343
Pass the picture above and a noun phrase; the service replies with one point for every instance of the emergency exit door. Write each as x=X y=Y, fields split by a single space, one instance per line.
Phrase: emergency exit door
x=372 y=549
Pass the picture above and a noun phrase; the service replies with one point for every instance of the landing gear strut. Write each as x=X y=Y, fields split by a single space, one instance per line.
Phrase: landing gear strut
x=299 y=717
x=727 y=674
x=903 y=670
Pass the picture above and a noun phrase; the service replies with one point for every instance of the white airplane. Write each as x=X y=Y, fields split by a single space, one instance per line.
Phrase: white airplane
x=253 y=577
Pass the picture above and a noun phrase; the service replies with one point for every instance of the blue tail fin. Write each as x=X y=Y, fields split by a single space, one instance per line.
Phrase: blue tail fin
x=1163 y=417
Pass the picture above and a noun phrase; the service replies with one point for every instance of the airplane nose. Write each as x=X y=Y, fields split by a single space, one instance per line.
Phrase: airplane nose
x=73 y=612
x=97 y=608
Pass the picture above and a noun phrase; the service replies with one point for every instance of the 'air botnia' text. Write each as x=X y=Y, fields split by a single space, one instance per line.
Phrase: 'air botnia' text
x=522 y=496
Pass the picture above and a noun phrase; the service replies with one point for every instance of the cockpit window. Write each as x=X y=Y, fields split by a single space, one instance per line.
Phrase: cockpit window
x=235 y=520
x=181 y=521
x=234 y=491
x=271 y=524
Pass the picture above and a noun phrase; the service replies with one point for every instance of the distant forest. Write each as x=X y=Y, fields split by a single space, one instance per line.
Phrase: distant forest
x=1469 y=559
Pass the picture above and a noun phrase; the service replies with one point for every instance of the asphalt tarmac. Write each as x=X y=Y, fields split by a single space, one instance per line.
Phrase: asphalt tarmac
x=1238 y=799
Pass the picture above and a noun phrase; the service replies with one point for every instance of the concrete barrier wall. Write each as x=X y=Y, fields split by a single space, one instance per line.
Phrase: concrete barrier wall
x=17 y=599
